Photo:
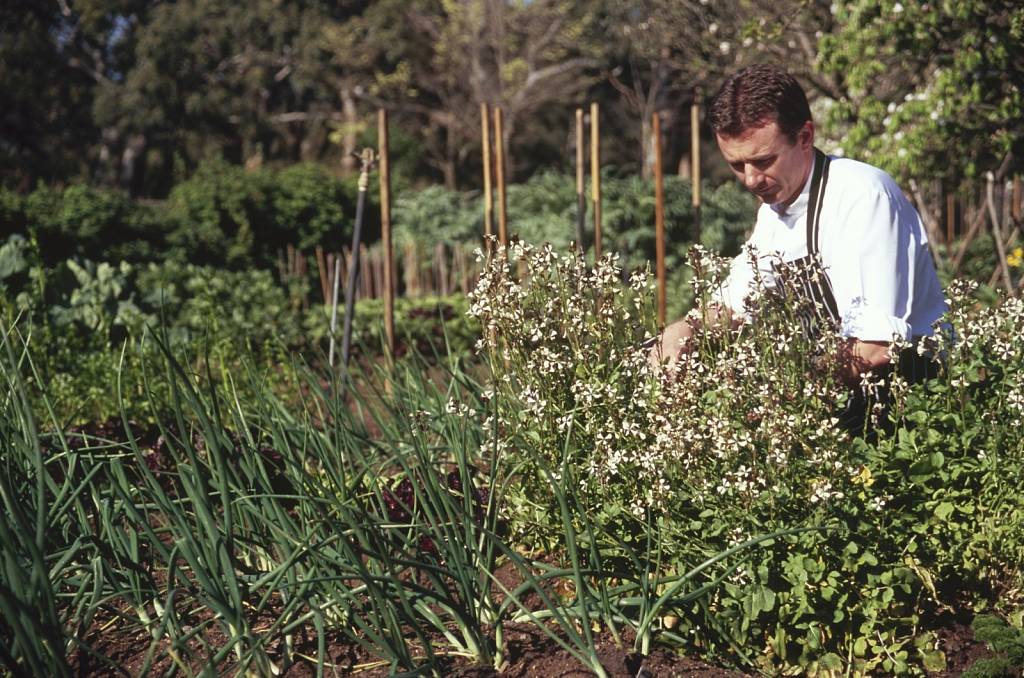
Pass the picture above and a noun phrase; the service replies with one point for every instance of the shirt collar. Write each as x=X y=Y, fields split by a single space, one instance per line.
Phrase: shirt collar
x=798 y=206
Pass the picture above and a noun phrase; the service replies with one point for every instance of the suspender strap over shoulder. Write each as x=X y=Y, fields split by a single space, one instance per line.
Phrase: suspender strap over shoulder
x=819 y=179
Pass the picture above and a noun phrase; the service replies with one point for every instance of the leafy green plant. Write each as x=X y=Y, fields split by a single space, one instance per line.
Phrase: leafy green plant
x=1001 y=638
x=424 y=326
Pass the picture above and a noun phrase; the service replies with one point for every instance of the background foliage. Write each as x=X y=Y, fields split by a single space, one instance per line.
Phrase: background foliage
x=132 y=93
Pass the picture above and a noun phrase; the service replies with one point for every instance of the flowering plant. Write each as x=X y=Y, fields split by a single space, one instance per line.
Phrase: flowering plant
x=568 y=349
x=740 y=440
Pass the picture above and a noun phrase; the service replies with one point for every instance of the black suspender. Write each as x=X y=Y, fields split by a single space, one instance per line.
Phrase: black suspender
x=814 y=202
x=821 y=289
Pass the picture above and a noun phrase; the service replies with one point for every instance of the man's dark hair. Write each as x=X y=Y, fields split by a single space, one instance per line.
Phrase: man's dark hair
x=756 y=96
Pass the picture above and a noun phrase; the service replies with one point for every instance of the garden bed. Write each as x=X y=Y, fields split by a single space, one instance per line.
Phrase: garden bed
x=556 y=488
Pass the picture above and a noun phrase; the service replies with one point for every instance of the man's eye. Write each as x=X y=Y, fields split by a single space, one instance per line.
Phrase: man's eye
x=737 y=167
x=763 y=163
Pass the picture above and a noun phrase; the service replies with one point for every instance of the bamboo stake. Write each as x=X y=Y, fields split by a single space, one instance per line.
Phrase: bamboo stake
x=460 y=257
x=485 y=128
x=695 y=159
x=334 y=307
x=581 y=199
x=410 y=270
x=384 y=158
x=365 y=273
x=321 y=269
x=595 y=175
x=377 y=279
x=499 y=162
x=329 y=260
x=442 y=269
x=659 y=218
x=304 y=275
x=979 y=216
x=346 y=261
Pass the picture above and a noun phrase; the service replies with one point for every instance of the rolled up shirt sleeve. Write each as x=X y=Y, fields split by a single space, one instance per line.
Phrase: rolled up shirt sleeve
x=873 y=266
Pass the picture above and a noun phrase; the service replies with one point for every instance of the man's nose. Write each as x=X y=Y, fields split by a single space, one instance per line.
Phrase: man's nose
x=751 y=177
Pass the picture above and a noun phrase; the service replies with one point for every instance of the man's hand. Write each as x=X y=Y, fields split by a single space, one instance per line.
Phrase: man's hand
x=672 y=342
x=858 y=357
x=675 y=340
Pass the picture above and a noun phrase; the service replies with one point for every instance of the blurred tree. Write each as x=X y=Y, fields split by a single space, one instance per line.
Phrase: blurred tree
x=45 y=127
x=662 y=51
x=250 y=82
x=449 y=56
x=665 y=49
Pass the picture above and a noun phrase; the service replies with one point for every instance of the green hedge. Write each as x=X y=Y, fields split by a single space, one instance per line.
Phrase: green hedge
x=221 y=216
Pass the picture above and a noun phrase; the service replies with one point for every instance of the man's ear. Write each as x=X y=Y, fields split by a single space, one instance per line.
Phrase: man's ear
x=805 y=137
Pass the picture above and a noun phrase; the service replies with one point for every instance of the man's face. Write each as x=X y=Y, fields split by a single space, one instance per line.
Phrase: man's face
x=770 y=165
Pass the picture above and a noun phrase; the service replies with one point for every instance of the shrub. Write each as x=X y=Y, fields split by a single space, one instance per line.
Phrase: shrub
x=222 y=216
x=435 y=214
x=311 y=207
x=80 y=221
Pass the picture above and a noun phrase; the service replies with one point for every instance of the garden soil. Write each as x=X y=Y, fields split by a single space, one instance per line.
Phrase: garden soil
x=532 y=654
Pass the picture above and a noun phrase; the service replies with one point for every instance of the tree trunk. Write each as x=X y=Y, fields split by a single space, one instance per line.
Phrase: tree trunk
x=451 y=155
x=350 y=129
x=132 y=164
x=647 y=142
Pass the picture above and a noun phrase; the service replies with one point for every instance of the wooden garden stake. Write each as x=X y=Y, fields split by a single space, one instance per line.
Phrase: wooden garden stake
x=384 y=156
x=304 y=275
x=442 y=269
x=1015 y=198
x=499 y=166
x=581 y=200
x=485 y=129
x=595 y=175
x=321 y=269
x=695 y=159
x=365 y=272
x=659 y=219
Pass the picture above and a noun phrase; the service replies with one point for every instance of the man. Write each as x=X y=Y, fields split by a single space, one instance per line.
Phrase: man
x=856 y=243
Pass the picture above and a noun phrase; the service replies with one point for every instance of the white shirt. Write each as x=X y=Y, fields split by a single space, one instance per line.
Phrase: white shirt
x=873 y=247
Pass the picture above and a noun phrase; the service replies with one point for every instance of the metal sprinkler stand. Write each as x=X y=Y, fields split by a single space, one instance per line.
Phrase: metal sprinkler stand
x=367 y=158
